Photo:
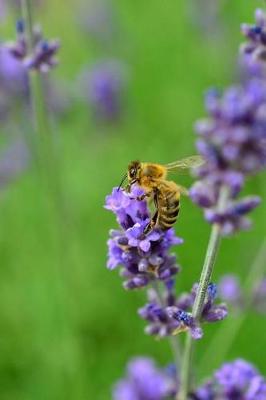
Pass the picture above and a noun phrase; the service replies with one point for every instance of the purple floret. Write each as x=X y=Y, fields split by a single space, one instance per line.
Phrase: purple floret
x=229 y=290
x=42 y=56
x=167 y=315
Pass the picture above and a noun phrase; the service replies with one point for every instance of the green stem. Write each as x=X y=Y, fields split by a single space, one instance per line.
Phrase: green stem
x=42 y=138
x=209 y=262
x=206 y=273
x=27 y=16
x=227 y=333
x=32 y=123
x=50 y=183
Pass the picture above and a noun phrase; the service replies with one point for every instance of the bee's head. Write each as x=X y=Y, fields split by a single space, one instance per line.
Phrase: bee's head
x=133 y=172
x=132 y=175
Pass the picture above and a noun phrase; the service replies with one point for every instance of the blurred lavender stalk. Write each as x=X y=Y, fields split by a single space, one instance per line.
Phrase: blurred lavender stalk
x=38 y=55
x=102 y=85
x=16 y=60
x=8 y=7
x=57 y=95
x=15 y=93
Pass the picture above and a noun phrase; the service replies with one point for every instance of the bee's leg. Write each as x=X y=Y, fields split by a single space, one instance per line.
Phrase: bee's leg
x=148 y=228
x=154 y=218
x=143 y=196
x=128 y=188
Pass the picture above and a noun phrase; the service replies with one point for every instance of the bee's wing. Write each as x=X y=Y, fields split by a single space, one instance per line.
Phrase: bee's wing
x=185 y=164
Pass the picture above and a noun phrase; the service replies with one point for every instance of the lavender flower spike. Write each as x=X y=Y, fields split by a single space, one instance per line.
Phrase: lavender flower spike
x=102 y=86
x=233 y=142
x=143 y=258
x=181 y=311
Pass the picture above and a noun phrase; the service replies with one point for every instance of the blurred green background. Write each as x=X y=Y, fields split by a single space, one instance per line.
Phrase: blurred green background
x=67 y=327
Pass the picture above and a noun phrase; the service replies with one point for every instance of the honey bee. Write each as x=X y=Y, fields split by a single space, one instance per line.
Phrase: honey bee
x=152 y=178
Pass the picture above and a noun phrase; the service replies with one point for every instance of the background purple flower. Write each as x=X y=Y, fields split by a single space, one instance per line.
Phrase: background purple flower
x=144 y=381
x=229 y=290
x=235 y=380
x=103 y=85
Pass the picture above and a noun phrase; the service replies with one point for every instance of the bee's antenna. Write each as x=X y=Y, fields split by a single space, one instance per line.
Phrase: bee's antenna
x=122 y=181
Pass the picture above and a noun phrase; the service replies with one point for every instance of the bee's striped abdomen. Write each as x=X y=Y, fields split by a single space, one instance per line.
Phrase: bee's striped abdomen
x=168 y=205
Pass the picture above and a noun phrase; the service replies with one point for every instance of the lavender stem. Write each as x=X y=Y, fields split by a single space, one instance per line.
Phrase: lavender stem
x=48 y=162
x=27 y=16
x=39 y=116
x=44 y=147
x=43 y=138
x=228 y=331
x=206 y=273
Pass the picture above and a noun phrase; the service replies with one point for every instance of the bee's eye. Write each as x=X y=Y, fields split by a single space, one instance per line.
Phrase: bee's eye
x=132 y=172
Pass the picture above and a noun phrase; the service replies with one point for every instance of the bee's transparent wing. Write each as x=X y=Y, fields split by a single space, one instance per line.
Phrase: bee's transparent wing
x=186 y=163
